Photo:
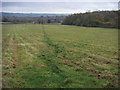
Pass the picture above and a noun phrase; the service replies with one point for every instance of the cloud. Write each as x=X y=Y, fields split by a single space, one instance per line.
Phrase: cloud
x=56 y=7
x=60 y=1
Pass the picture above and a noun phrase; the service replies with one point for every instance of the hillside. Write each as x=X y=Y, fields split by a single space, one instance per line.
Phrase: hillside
x=6 y=14
x=94 y=19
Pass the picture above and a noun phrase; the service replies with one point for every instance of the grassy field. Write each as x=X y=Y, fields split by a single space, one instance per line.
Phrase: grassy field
x=59 y=56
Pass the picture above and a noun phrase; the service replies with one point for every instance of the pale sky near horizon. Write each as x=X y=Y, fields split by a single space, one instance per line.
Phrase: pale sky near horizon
x=60 y=0
x=60 y=6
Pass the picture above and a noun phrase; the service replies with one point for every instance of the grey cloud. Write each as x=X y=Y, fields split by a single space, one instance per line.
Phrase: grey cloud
x=57 y=6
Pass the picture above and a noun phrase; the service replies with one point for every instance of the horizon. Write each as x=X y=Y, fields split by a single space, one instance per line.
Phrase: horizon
x=52 y=12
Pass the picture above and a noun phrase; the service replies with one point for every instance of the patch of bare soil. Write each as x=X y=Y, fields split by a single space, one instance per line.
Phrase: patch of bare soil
x=102 y=60
x=27 y=44
x=95 y=73
x=15 y=56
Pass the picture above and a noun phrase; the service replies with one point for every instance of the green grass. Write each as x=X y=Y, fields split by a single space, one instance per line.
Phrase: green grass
x=59 y=56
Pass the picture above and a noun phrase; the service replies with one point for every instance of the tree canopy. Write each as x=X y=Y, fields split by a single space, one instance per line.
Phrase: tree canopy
x=93 y=19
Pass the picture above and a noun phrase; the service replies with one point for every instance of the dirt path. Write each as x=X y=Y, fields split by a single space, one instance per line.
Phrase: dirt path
x=15 y=56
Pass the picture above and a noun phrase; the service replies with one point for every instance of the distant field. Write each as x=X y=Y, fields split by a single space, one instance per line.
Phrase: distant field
x=59 y=56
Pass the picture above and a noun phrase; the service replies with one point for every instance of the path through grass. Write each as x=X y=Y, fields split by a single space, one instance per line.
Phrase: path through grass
x=47 y=56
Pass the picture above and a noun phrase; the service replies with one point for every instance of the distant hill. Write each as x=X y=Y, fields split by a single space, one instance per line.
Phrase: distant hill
x=36 y=18
x=6 y=14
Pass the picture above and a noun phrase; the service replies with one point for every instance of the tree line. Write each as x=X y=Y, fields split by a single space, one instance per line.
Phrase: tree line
x=34 y=20
x=94 y=19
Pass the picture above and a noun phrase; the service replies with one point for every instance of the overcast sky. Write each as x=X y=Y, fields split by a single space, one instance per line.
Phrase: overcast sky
x=60 y=0
x=60 y=6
